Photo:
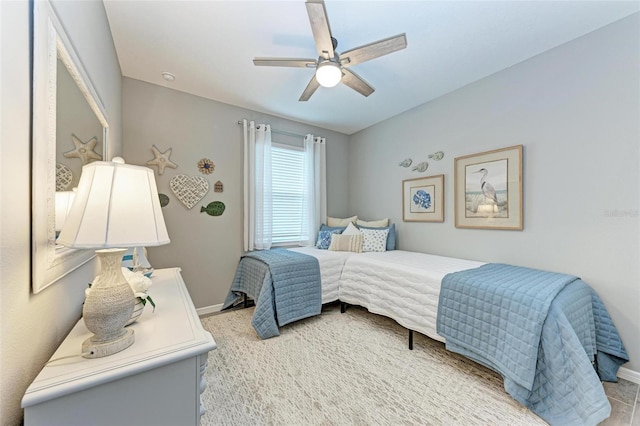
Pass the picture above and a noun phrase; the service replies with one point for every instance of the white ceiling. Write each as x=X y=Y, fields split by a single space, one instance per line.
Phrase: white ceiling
x=209 y=46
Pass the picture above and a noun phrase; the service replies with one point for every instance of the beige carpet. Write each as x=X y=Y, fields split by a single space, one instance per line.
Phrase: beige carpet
x=346 y=369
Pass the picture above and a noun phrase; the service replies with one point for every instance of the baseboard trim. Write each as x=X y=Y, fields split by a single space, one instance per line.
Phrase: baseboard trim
x=209 y=309
x=630 y=375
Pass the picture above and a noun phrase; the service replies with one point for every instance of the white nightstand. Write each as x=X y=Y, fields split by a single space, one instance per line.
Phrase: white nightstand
x=156 y=381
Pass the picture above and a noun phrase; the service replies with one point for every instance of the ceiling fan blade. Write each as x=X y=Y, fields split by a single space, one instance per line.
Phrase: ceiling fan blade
x=320 y=28
x=354 y=81
x=310 y=89
x=373 y=50
x=284 y=62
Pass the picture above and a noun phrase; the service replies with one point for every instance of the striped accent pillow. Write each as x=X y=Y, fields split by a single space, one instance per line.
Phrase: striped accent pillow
x=346 y=243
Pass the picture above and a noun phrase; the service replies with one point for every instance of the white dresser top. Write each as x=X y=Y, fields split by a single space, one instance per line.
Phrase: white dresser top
x=172 y=333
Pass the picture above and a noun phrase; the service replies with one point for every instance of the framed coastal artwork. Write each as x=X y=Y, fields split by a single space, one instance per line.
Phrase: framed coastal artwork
x=423 y=199
x=488 y=189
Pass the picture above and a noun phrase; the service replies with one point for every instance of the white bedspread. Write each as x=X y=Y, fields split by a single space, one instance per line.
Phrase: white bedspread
x=331 y=264
x=401 y=285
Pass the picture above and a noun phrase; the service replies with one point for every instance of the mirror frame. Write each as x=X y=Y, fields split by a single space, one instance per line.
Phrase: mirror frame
x=50 y=262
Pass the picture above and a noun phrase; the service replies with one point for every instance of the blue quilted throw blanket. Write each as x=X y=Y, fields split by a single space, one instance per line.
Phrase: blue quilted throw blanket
x=540 y=330
x=284 y=284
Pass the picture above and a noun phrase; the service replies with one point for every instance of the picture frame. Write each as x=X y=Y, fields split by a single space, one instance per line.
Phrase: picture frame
x=423 y=199
x=488 y=190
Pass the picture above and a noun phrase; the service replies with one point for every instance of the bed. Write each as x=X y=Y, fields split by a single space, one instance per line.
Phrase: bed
x=286 y=285
x=560 y=385
x=560 y=382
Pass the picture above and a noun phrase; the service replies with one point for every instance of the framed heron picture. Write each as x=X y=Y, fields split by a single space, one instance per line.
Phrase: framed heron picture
x=488 y=189
x=423 y=199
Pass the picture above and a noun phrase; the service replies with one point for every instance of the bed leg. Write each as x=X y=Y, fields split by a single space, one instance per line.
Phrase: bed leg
x=343 y=307
x=411 y=340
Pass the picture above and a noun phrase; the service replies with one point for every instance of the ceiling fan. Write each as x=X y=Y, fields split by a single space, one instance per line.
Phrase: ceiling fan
x=331 y=67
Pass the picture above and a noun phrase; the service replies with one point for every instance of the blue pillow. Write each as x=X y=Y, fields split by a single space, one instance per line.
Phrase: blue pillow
x=324 y=238
x=324 y=227
x=391 y=237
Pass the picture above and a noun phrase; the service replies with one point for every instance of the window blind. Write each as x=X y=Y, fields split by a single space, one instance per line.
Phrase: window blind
x=288 y=194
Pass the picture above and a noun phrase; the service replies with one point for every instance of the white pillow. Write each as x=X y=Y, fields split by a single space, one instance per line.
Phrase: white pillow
x=351 y=230
x=335 y=221
x=373 y=223
x=346 y=243
x=374 y=239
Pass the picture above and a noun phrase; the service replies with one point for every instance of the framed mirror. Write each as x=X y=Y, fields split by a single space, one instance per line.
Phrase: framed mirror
x=70 y=129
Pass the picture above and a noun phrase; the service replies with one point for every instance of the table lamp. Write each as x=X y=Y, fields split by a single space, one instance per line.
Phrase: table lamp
x=116 y=207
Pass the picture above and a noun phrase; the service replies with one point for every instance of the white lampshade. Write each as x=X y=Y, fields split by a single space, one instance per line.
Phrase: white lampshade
x=116 y=205
x=328 y=74
x=63 y=201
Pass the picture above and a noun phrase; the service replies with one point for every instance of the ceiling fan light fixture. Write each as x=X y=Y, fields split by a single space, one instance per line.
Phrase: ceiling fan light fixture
x=328 y=74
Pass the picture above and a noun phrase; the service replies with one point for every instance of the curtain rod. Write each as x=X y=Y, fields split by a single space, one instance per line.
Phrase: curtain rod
x=282 y=132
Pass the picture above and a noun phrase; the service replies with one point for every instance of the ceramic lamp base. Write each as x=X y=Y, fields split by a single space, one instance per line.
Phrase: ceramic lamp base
x=108 y=307
x=94 y=349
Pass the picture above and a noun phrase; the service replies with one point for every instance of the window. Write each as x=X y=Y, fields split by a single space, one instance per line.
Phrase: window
x=284 y=190
x=288 y=194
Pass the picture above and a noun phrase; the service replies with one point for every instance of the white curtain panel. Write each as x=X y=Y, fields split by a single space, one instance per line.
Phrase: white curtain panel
x=315 y=176
x=257 y=186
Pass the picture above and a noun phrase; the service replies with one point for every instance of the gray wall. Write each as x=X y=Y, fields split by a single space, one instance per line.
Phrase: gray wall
x=576 y=111
x=208 y=248
x=32 y=326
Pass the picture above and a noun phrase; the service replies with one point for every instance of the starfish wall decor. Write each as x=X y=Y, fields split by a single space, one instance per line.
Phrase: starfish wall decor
x=161 y=159
x=84 y=151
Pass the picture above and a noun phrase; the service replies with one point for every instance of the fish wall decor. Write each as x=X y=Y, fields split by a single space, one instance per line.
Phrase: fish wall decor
x=214 y=208
x=164 y=199
x=437 y=156
x=422 y=167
